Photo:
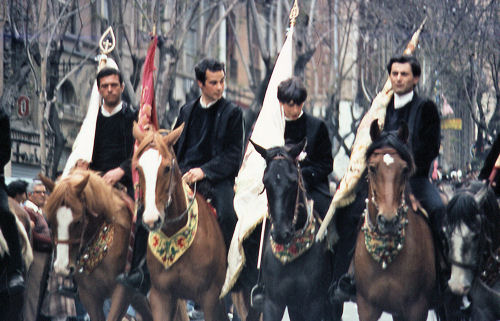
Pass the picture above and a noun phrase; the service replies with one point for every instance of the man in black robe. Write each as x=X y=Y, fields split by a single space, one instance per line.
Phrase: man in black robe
x=210 y=148
x=318 y=161
x=422 y=117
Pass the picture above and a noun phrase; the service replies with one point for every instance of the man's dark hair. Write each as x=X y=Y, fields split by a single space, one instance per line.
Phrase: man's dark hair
x=108 y=72
x=17 y=187
x=292 y=89
x=415 y=65
x=207 y=64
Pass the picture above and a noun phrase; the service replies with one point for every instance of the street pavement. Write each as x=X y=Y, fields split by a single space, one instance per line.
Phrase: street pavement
x=351 y=314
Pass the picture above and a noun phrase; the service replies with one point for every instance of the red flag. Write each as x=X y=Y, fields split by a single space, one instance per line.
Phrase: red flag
x=147 y=110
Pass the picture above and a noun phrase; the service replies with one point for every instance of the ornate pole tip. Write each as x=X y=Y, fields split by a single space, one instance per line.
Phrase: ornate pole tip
x=294 y=13
x=107 y=41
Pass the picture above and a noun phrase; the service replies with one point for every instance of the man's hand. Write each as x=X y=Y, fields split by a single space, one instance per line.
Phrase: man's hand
x=82 y=164
x=193 y=175
x=114 y=175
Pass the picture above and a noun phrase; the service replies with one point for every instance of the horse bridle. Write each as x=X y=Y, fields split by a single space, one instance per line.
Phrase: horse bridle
x=300 y=191
x=170 y=191
x=400 y=212
x=81 y=240
x=476 y=265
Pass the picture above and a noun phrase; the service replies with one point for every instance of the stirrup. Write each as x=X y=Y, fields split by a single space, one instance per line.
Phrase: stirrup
x=257 y=297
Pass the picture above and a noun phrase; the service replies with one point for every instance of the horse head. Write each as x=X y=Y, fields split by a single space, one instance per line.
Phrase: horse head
x=390 y=164
x=65 y=212
x=158 y=171
x=283 y=183
x=471 y=226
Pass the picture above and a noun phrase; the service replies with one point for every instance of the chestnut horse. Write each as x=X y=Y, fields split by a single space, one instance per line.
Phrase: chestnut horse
x=91 y=228
x=472 y=226
x=394 y=258
x=296 y=270
x=198 y=274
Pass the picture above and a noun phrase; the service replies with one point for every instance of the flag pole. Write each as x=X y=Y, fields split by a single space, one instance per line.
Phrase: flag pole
x=83 y=145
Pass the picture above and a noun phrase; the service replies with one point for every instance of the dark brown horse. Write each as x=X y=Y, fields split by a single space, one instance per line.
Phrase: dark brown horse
x=394 y=260
x=91 y=228
x=169 y=211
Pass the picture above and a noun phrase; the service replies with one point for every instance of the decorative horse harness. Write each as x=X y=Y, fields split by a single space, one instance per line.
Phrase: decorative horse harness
x=303 y=239
x=384 y=247
x=93 y=251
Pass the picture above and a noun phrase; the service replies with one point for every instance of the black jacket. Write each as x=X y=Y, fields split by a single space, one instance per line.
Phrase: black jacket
x=425 y=131
x=226 y=140
x=122 y=159
x=318 y=163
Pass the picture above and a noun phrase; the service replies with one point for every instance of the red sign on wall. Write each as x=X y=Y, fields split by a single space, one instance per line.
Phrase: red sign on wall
x=23 y=106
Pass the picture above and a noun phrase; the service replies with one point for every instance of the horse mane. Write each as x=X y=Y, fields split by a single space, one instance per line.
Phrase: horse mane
x=464 y=208
x=154 y=138
x=390 y=139
x=99 y=197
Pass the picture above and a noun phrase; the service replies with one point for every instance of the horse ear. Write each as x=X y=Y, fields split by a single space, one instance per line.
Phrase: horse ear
x=173 y=136
x=374 y=130
x=403 y=132
x=296 y=149
x=80 y=184
x=138 y=133
x=47 y=182
x=261 y=150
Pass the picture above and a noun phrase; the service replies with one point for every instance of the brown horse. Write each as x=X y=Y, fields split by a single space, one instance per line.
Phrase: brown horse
x=91 y=228
x=394 y=260
x=199 y=273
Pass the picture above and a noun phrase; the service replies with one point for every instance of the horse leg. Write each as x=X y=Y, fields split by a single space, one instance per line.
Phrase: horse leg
x=181 y=311
x=213 y=308
x=93 y=306
x=241 y=305
x=366 y=311
x=418 y=310
x=163 y=305
x=141 y=305
x=273 y=311
x=119 y=303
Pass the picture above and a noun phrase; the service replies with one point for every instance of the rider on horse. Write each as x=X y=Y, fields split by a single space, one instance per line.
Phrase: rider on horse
x=423 y=121
x=210 y=148
x=318 y=161
x=112 y=152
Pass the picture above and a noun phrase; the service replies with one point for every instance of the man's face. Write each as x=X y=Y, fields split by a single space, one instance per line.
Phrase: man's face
x=38 y=196
x=111 y=90
x=292 y=110
x=402 y=78
x=214 y=86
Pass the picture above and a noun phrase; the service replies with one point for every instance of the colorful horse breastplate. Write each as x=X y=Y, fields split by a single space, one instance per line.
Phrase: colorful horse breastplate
x=169 y=249
x=93 y=254
x=298 y=246
x=383 y=248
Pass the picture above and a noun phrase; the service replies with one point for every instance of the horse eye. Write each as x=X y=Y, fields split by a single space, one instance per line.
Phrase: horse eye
x=166 y=170
x=372 y=169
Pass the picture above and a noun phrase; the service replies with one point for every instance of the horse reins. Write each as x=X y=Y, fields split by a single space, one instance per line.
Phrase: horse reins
x=300 y=191
x=81 y=240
